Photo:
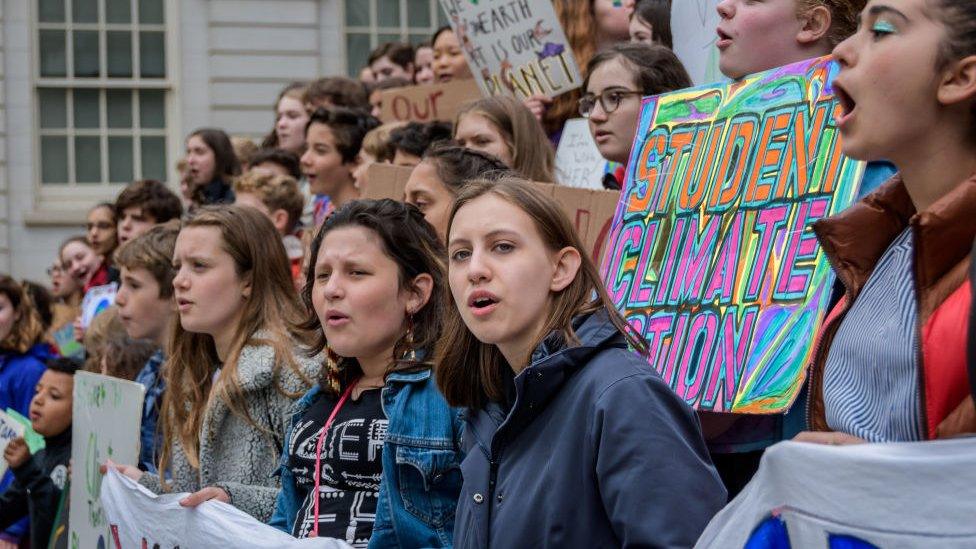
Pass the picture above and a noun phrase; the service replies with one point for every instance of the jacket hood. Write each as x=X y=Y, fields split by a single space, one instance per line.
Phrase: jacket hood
x=554 y=362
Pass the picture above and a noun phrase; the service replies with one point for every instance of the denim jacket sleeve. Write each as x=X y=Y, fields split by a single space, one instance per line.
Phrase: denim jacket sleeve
x=289 y=497
x=421 y=469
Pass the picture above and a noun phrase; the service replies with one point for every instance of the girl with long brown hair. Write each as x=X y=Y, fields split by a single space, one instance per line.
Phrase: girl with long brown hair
x=233 y=366
x=503 y=127
x=563 y=420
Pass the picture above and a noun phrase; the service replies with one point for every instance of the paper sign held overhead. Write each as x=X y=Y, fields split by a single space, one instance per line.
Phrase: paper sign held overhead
x=711 y=256
x=514 y=47
x=428 y=102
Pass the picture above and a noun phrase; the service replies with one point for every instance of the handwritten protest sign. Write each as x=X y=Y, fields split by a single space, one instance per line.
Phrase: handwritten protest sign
x=429 y=102
x=96 y=300
x=578 y=160
x=695 y=44
x=591 y=211
x=140 y=518
x=105 y=425
x=514 y=47
x=711 y=255
x=10 y=429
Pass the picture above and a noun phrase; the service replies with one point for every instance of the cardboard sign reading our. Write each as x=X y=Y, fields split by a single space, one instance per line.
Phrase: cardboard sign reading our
x=514 y=47
x=427 y=103
x=712 y=257
x=591 y=211
x=10 y=429
x=578 y=160
x=105 y=425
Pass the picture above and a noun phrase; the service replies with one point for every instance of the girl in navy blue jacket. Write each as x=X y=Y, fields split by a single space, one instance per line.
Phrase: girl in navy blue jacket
x=572 y=440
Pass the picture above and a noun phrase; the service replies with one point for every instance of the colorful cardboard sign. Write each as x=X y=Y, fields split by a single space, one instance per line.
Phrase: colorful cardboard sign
x=591 y=211
x=514 y=47
x=712 y=258
x=96 y=300
x=428 y=102
x=105 y=425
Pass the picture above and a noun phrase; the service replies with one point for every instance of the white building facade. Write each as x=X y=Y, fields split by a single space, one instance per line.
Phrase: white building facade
x=97 y=93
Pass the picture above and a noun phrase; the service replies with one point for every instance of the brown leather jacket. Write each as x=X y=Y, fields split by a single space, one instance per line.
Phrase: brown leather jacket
x=855 y=240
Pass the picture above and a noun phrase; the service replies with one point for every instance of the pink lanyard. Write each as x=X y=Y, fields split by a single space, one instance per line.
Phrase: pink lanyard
x=318 y=453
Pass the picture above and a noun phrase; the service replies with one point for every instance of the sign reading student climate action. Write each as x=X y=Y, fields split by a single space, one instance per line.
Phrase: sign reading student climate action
x=711 y=256
x=514 y=47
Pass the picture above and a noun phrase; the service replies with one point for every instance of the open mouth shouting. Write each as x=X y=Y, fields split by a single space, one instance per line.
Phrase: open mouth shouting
x=482 y=303
x=846 y=106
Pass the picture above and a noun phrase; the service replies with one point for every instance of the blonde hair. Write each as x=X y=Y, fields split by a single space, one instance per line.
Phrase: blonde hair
x=277 y=192
x=377 y=141
x=272 y=307
x=105 y=326
x=244 y=149
x=532 y=154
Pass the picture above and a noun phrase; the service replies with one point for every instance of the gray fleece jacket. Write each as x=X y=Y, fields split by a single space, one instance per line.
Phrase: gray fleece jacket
x=234 y=455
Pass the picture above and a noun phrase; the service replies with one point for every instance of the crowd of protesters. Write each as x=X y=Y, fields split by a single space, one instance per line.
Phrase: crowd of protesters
x=448 y=369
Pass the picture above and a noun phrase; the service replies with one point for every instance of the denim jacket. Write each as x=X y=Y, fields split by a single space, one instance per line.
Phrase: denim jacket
x=421 y=466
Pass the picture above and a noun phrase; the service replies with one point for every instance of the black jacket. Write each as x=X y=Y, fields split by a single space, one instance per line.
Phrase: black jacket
x=36 y=489
x=596 y=451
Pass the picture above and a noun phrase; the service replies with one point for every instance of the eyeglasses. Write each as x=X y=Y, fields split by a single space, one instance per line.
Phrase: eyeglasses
x=609 y=100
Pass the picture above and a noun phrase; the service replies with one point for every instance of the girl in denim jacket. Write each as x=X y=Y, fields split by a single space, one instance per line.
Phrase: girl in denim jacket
x=372 y=456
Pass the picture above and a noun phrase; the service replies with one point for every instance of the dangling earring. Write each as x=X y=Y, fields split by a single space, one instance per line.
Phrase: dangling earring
x=332 y=369
x=411 y=354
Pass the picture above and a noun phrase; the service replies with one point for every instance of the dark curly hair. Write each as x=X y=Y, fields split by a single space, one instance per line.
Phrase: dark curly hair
x=456 y=165
x=349 y=127
x=416 y=137
x=412 y=244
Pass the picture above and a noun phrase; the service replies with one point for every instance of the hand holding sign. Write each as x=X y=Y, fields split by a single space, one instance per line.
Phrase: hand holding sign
x=16 y=453
x=10 y=430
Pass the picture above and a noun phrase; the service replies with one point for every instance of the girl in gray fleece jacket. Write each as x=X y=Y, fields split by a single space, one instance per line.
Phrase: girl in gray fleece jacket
x=234 y=363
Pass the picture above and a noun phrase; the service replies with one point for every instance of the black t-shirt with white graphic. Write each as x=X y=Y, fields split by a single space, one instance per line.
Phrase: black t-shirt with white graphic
x=351 y=462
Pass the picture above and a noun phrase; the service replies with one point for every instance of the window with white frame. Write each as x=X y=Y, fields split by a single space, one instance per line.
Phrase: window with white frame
x=370 y=23
x=101 y=88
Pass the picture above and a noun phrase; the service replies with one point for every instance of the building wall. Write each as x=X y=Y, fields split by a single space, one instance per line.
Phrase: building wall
x=231 y=58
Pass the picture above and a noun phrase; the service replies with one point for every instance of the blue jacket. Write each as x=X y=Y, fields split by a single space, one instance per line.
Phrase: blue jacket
x=596 y=451
x=421 y=466
x=19 y=374
x=150 y=437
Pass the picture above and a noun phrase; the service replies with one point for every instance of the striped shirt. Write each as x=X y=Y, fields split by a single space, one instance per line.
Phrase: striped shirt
x=871 y=376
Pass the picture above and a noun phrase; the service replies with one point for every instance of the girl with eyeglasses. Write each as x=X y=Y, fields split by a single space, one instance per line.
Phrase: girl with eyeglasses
x=616 y=79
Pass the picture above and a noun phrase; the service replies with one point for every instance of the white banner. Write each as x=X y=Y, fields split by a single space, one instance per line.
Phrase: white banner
x=915 y=494
x=105 y=425
x=139 y=518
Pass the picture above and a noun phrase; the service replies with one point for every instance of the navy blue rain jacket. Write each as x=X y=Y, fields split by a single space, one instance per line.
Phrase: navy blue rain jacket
x=596 y=451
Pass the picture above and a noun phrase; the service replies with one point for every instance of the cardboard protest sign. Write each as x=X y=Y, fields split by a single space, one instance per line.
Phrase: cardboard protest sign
x=578 y=160
x=10 y=429
x=96 y=300
x=695 y=44
x=139 y=518
x=712 y=258
x=105 y=425
x=591 y=211
x=514 y=47
x=428 y=102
